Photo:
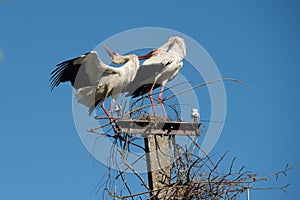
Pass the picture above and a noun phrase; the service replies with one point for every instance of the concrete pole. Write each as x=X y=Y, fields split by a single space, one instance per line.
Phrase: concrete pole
x=158 y=164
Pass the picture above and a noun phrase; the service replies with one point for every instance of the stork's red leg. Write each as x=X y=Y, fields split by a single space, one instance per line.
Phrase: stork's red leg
x=160 y=101
x=151 y=99
x=110 y=109
x=103 y=107
x=111 y=120
x=108 y=113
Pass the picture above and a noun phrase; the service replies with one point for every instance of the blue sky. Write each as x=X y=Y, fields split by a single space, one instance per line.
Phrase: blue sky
x=41 y=154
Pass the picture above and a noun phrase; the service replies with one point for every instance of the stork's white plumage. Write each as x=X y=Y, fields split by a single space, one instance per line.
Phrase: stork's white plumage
x=93 y=80
x=162 y=67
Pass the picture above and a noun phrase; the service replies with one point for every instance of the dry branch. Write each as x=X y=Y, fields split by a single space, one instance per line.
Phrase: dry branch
x=194 y=176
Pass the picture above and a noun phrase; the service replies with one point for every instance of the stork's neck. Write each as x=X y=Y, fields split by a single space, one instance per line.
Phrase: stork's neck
x=124 y=59
x=131 y=59
x=174 y=44
x=131 y=66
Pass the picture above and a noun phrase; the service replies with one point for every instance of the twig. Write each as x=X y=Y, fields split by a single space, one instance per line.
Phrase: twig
x=207 y=83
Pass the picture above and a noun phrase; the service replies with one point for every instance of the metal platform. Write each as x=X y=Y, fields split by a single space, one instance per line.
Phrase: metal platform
x=154 y=127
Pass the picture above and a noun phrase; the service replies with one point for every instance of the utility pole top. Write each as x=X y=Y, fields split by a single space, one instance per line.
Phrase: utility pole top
x=158 y=126
x=156 y=133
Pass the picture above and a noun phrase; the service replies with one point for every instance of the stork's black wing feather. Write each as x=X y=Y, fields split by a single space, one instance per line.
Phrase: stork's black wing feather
x=144 y=89
x=70 y=71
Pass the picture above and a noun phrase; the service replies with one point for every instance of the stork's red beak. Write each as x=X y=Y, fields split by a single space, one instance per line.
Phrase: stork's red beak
x=144 y=57
x=109 y=52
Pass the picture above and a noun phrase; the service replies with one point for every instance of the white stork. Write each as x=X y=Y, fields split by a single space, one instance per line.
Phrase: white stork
x=95 y=81
x=163 y=65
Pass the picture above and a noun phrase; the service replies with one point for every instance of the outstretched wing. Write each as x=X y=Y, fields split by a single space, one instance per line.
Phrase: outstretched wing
x=83 y=71
x=67 y=72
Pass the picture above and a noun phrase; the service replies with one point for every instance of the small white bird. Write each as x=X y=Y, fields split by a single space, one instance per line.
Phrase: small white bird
x=161 y=66
x=95 y=81
x=195 y=115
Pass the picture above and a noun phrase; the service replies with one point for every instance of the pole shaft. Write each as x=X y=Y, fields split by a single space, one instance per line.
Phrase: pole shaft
x=158 y=163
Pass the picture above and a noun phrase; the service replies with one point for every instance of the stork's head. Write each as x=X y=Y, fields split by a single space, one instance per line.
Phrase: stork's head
x=116 y=58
